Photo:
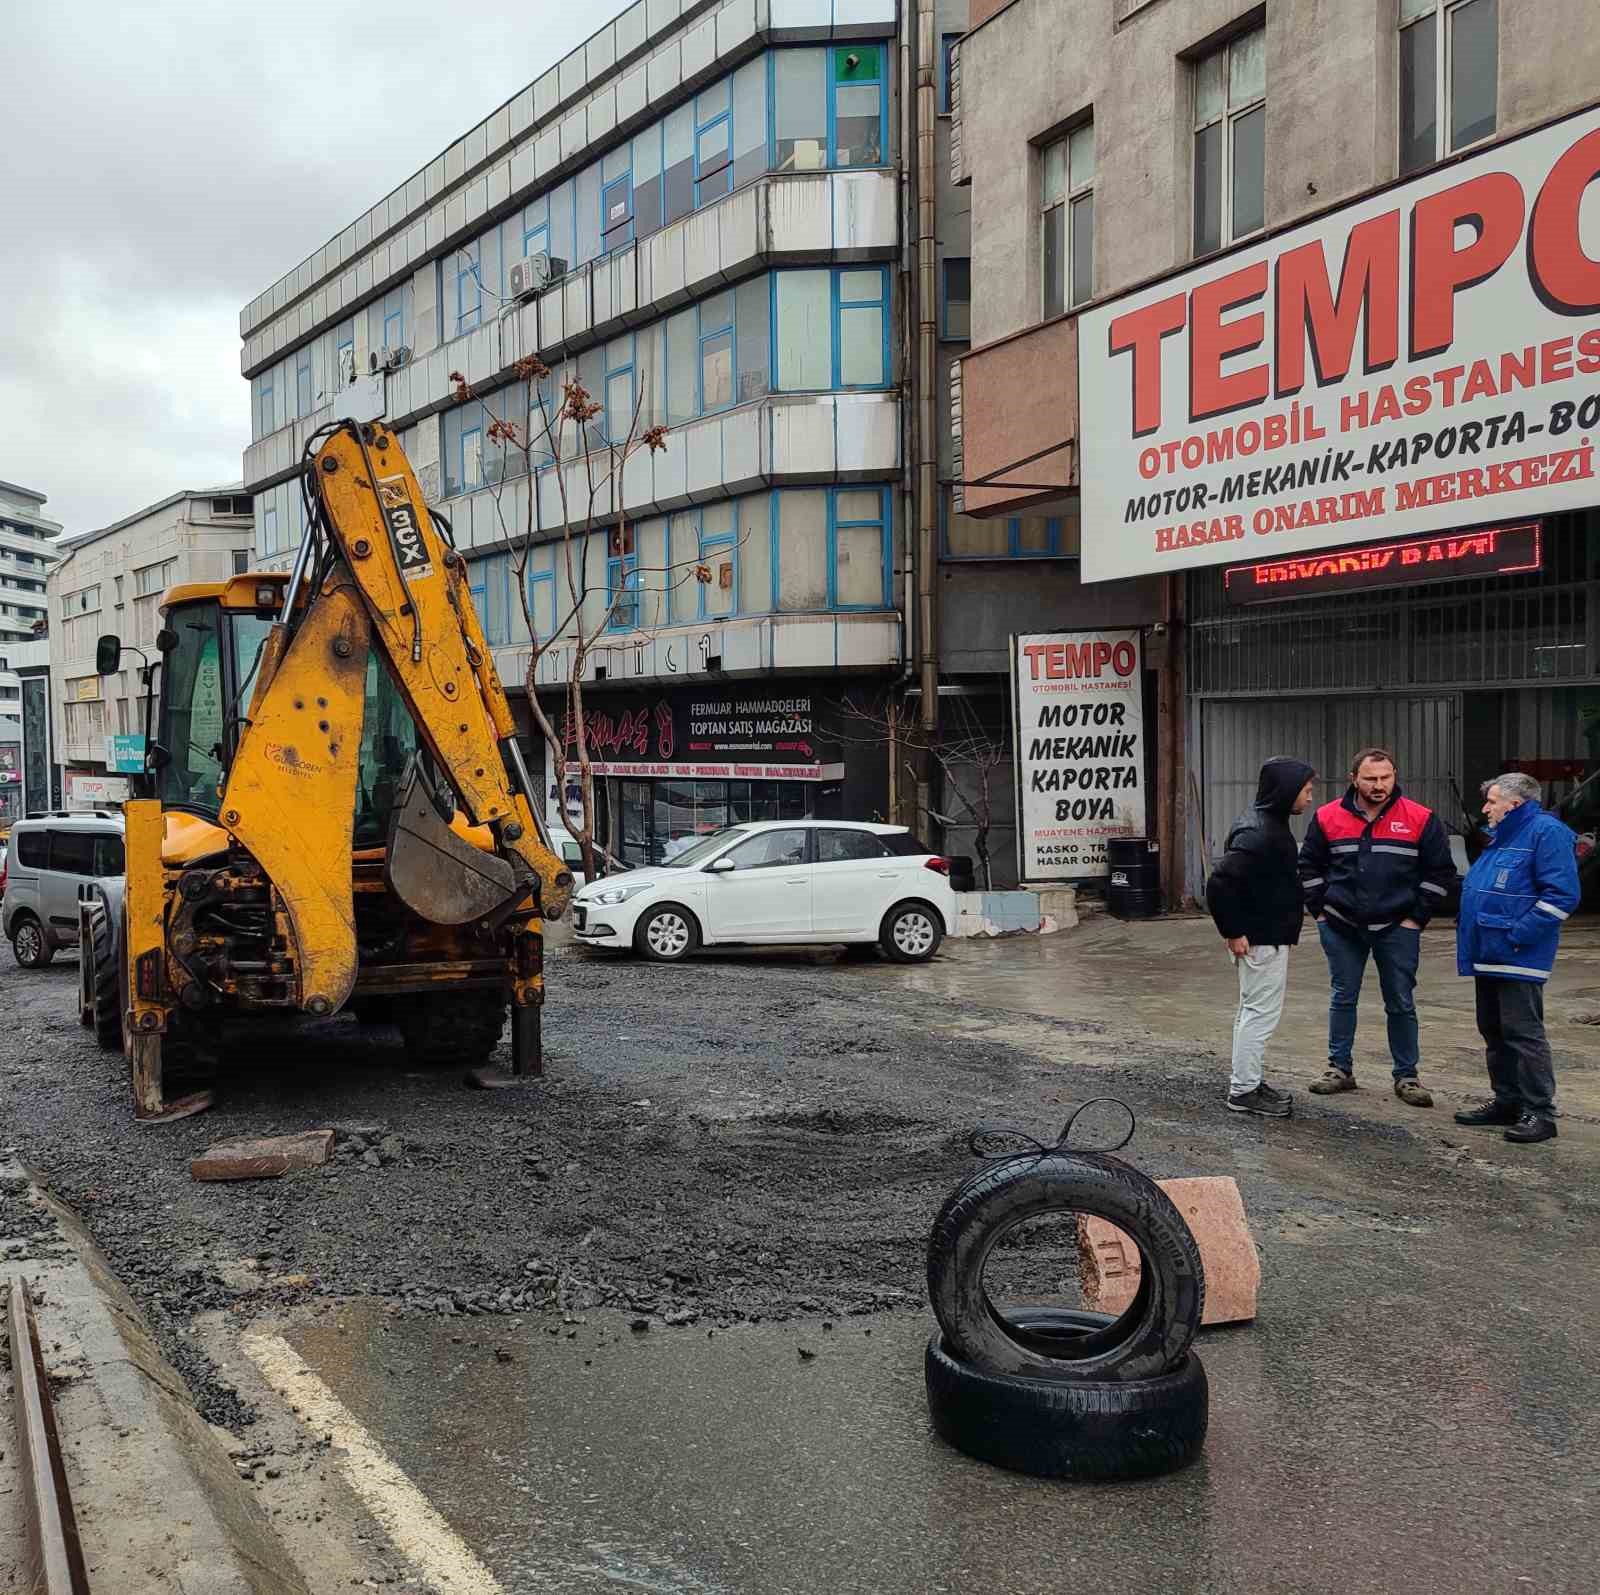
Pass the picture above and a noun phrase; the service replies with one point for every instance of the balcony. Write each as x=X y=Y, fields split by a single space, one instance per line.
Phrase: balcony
x=1014 y=420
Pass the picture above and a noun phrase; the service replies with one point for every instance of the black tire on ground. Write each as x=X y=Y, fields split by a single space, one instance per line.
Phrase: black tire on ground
x=28 y=944
x=667 y=934
x=451 y=1028
x=99 y=957
x=1150 y=1338
x=911 y=932
x=1079 y=1429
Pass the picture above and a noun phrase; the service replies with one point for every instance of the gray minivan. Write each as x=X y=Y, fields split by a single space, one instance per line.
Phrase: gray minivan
x=51 y=856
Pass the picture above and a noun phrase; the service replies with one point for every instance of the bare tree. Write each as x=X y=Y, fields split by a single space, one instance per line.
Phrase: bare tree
x=971 y=761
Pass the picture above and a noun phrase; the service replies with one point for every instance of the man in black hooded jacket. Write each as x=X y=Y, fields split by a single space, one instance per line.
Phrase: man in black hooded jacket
x=1254 y=897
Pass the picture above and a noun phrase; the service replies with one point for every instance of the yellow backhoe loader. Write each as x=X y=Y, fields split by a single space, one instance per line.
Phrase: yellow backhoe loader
x=335 y=813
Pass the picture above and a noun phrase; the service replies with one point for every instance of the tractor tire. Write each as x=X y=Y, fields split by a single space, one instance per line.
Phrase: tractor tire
x=1077 y=1429
x=452 y=1029
x=100 y=960
x=1149 y=1339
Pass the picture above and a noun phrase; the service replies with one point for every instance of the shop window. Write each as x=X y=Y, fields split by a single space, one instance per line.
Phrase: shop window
x=1449 y=77
x=1067 y=224
x=622 y=593
x=858 y=563
x=857 y=113
x=957 y=299
x=1230 y=120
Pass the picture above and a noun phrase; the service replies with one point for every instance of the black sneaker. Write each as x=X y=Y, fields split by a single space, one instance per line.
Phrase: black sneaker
x=1272 y=1094
x=1263 y=1100
x=1529 y=1128
x=1493 y=1111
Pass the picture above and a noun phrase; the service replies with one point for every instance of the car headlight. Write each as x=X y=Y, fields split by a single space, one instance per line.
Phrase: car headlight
x=609 y=895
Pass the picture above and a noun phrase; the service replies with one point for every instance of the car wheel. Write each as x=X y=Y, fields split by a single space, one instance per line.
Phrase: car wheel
x=29 y=945
x=911 y=933
x=1148 y=1339
x=667 y=934
x=1069 y=1429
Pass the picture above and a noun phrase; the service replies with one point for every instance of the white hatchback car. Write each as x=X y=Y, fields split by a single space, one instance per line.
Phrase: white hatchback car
x=777 y=881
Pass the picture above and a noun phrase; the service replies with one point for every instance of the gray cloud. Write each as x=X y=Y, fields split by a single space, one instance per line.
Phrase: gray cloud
x=164 y=164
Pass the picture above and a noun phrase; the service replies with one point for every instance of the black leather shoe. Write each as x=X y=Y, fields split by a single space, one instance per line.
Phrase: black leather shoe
x=1491 y=1112
x=1531 y=1128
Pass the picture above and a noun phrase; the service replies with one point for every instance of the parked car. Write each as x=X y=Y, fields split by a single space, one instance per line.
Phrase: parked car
x=50 y=857
x=777 y=881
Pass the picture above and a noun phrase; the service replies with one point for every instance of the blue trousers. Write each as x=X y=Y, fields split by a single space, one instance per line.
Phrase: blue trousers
x=1395 y=951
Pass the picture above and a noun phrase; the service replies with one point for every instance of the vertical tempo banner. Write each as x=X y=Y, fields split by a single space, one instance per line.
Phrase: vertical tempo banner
x=1078 y=727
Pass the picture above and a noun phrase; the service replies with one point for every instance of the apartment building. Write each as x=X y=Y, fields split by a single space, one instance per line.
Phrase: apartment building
x=1295 y=307
x=111 y=581
x=27 y=551
x=705 y=214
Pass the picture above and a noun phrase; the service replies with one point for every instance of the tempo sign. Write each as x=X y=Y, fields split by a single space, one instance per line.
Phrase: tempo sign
x=1078 y=730
x=1427 y=357
x=1490 y=551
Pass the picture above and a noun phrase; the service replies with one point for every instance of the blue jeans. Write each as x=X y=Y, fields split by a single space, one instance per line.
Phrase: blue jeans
x=1396 y=952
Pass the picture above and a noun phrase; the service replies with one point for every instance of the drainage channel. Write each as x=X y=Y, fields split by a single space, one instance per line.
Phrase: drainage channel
x=55 y=1554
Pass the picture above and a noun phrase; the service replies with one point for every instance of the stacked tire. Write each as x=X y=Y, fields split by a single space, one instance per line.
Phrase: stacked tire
x=1056 y=1392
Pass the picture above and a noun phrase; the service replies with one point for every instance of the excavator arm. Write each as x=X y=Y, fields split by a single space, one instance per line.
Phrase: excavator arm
x=386 y=576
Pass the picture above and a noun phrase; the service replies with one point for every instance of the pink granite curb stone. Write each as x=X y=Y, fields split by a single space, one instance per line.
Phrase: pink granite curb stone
x=1212 y=1208
x=268 y=1158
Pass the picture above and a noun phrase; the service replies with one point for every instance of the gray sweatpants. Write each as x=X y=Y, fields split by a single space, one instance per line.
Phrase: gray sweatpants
x=1263 y=979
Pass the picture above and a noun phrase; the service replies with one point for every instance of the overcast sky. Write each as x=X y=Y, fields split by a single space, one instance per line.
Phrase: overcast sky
x=165 y=163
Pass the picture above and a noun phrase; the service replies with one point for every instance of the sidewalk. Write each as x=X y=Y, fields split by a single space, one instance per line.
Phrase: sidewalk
x=1171 y=980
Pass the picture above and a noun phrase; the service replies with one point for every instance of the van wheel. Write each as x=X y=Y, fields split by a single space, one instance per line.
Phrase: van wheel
x=911 y=933
x=28 y=944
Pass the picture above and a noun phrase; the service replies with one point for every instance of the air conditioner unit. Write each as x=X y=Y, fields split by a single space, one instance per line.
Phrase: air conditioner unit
x=387 y=359
x=534 y=274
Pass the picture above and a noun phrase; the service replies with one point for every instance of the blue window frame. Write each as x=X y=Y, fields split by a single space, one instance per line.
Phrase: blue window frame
x=478 y=586
x=716 y=388
x=713 y=143
x=616 y=213
x=469 y=461
x=861 y=327
x=1017 y=537
x=858 y=113
x=344 y=355
x=955 y=299
x=302 y=381
x=858 y=547
x=265 y=421
x=536 y=226
x=622 y=593
x=619 y=395
x=721 y=548
x=469 y=290
x=947 y=49
x=269 y=530
x=542 y=604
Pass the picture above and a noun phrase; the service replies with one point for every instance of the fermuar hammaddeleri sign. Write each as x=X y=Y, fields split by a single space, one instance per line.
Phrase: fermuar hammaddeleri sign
x=1078 y=731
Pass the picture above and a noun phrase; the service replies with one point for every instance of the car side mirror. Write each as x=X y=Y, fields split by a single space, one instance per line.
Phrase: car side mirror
x=721 y=866
x=108 y=655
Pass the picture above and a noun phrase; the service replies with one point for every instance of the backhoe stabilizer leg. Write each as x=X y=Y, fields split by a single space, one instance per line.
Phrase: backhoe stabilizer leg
x=527 y=1044
x=150 y=1105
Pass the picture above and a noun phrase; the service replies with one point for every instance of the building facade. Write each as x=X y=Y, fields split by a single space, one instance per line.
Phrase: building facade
x=705 y=215
x=27 y=552
x=1266 y=282
x=111 y=581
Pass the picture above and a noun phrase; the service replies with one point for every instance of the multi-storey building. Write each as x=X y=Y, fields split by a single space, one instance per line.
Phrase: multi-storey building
x=1261 y=281
x=111 y=581
x=27 y=551
x=716 y=199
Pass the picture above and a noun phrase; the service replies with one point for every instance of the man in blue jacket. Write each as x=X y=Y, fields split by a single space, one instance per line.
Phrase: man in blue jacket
x=1512 y=905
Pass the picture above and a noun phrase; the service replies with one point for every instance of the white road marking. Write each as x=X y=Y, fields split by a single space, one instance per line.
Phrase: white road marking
x=415 y=1526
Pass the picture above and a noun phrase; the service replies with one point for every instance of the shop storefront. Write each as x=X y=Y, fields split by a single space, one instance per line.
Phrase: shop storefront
x=672 y=766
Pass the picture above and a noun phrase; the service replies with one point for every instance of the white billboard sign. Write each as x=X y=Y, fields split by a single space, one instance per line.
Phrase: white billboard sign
x=1078 y=731
x=1428 y=358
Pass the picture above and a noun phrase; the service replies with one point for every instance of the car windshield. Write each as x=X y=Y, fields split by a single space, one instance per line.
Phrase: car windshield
x=704 y=848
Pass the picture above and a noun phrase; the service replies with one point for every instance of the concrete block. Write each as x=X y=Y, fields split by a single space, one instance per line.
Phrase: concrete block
x=1212 y=1207
x=266 y=1158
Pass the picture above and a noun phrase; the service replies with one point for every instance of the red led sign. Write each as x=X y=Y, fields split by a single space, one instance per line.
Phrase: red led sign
x=1492 y=551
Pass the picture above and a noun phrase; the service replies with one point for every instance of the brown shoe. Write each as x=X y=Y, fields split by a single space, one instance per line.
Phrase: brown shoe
x=1410 y=1089
x=1334 y=1080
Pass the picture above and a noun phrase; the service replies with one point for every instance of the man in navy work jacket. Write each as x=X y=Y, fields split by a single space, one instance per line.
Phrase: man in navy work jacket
x=1512 y=905
x=1374 y=867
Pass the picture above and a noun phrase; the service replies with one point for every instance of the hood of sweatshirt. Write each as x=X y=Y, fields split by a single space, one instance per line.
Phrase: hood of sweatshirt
x=1280 y=784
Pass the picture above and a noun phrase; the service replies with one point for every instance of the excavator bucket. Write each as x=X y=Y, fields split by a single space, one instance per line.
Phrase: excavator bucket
x=437 y=873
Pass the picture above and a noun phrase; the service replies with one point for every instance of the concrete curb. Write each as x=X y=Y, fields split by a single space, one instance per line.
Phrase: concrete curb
x=160 y=1505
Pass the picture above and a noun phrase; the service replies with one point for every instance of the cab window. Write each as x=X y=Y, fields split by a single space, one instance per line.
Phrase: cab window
x=72 y=852
x=192 y=712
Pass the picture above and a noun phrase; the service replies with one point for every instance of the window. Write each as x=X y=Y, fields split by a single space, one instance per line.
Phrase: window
x=108 y=855
x=800 y=111
x=72 y=852
x=719 y=558
x=33 y=849
x=266 y=413
x=1449 y=72
x=82 y=601
x=619 y=391
x=1013 y=537
x=542 y=603
x=947 y=50
x=713 y=143
x=716 y=353
x=858 y=563
x=857 y=109
x=1067 y=230
x=843 y=847
x=487 y=582
x=957 y=298
x=770 y=850
x=1230 y=120
x=536 y=226
x=622 y=593
x=832 y=329
x=677 y=164
x=344 y=354
x=154 y=578
x=471 y=458
x=469 y=294
x=616 y=199
x=241 y=561
x=302 y=381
